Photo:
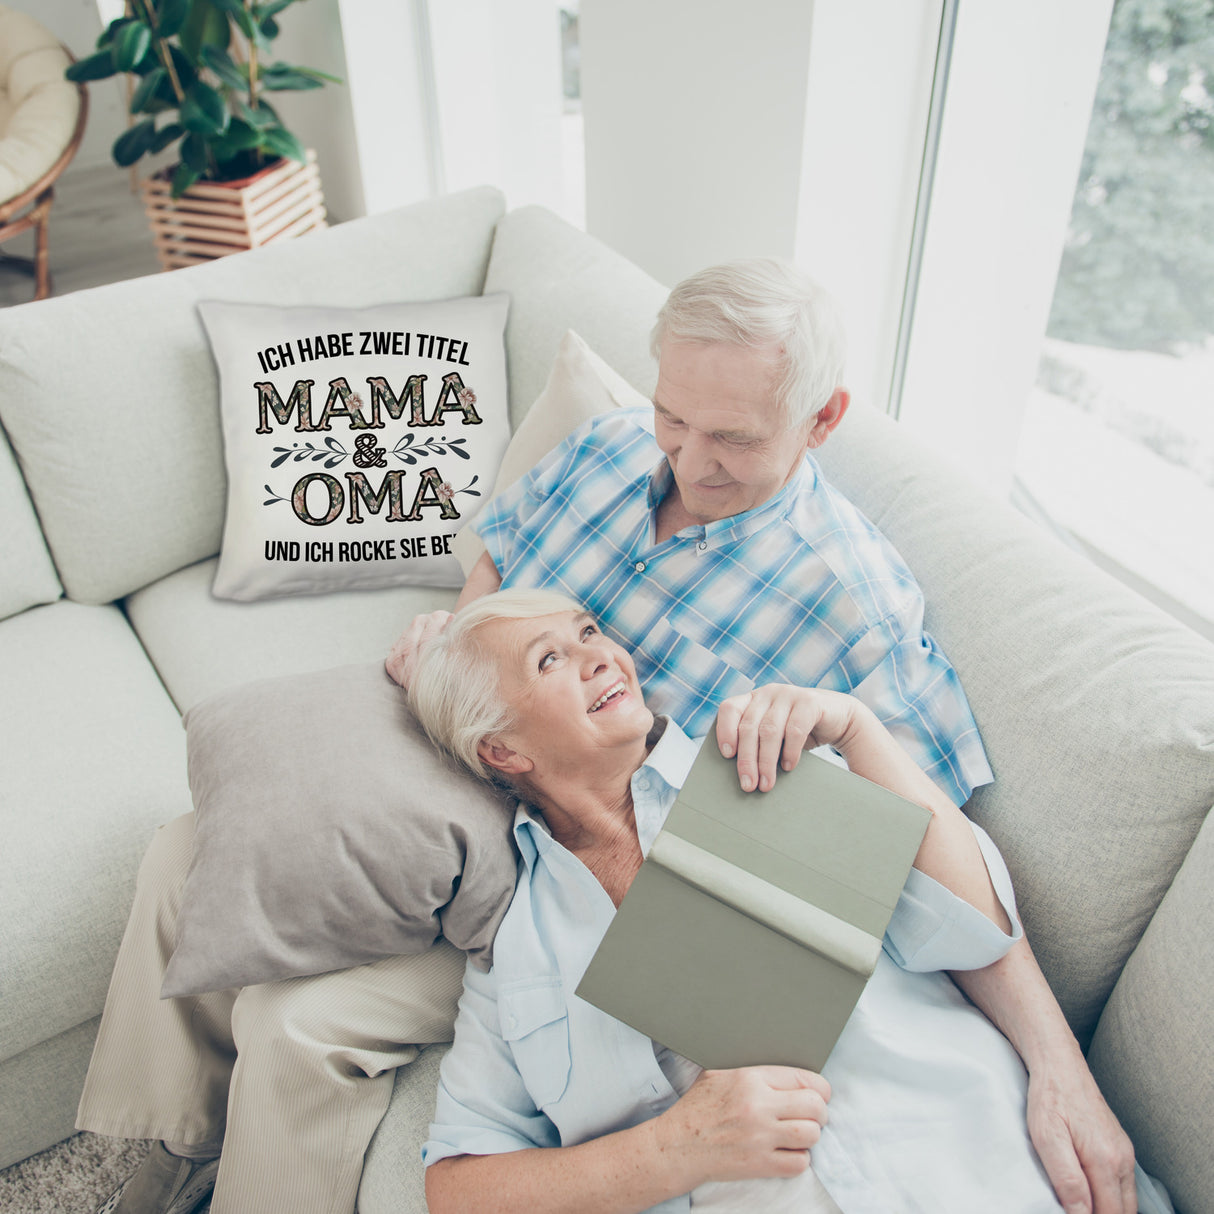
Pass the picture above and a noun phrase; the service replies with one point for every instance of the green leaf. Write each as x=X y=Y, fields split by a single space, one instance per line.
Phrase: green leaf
x=317 y=74
x=132 y=144
x=144 y=97
x=183 y=178
x=205 y=26
x=166 y=135
x=281 y=142
x=241 y=137
x=194 y=153
x=271 y=9
x=279 y=77
x=269 y=30
x=225 y=67
x=186 y=71
x=130 y=45
x=238 y=13
x=95 y=67
x=261 y=118
x=171 y=16
x=203 y=111
x=108 y=34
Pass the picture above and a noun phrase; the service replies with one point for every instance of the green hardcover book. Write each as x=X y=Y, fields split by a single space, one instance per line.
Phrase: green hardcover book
x=756 y=919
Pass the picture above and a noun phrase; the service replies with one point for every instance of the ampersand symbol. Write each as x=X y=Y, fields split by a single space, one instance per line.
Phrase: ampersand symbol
x=367 y=454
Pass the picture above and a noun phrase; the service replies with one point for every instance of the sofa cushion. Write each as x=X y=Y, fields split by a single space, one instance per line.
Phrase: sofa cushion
x=355 y=440
x=27 y=575
x=93 y=760
x=201 y=645
x=1152 y=1054
x=110 y=396
x=393 y=1179
x=330 y=833
x=1096 y=709
x=558 y=278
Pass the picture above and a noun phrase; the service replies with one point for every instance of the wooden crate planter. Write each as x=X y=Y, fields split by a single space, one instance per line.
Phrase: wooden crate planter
x=215 y=218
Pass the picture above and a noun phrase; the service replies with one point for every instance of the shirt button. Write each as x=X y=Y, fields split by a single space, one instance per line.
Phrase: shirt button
x=702 y=545
x=639 y=566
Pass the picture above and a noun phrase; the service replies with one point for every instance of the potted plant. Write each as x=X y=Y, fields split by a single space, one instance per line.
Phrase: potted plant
x=201 y=71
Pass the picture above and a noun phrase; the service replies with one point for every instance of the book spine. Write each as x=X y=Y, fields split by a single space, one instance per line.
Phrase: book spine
x=802 y=922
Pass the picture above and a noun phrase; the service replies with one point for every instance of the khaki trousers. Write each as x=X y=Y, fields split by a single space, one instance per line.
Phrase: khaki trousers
x=293 y=1076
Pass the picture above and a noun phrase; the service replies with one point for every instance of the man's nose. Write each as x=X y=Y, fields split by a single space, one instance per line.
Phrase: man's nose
x=697 y=457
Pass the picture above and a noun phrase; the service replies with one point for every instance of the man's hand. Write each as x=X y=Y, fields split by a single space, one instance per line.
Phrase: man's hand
x=400 y=661
x=770 y=727
x=1086 y=1154
x=750 y=1122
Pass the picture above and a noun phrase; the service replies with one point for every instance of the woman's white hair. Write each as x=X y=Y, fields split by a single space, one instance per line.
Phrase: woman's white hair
x=763 y=303
x=454 y=691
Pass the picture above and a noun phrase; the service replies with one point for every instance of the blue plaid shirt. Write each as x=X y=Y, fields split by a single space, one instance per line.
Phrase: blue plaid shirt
x=802 y=589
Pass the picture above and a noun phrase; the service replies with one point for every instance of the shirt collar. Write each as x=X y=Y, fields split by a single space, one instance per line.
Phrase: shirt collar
x=737 y=526
x=655 y=784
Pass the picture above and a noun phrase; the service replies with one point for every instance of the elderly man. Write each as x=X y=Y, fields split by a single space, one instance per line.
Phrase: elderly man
x=704 y=538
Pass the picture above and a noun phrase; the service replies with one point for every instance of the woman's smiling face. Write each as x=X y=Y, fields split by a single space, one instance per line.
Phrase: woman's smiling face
x=572 y=691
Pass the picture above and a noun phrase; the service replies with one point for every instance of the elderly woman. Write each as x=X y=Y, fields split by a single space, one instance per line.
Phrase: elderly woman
x=547 y=1103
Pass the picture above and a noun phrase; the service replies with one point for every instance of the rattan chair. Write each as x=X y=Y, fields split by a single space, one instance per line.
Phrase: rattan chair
x=42 y=118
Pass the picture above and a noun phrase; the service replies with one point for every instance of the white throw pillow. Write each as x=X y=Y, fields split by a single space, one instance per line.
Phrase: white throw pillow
x=357 y=440
x=580 y=386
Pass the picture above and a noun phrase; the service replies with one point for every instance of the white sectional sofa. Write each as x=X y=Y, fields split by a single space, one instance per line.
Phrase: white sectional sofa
x=1097 y=711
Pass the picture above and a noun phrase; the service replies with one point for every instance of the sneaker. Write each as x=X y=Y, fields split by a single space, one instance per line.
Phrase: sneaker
x=164 y=1184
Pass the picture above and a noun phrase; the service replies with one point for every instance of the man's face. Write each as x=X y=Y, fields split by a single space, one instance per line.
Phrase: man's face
x=573 y=691
x=716 y=419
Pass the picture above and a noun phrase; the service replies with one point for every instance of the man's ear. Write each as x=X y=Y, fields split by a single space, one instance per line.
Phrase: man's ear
x=495 y=754
x=829 y=416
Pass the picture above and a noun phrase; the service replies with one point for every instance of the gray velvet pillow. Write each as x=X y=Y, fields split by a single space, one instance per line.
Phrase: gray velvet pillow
x=329 y=833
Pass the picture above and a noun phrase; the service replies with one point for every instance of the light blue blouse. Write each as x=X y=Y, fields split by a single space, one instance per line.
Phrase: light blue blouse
x=928 y=1104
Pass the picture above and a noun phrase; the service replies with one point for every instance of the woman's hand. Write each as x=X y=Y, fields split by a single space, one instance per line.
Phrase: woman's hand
x=755 y=1121
x=772 y=725
x=402 y=659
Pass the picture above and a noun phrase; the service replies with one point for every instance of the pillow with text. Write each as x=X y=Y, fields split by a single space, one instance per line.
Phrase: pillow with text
x=357 y=440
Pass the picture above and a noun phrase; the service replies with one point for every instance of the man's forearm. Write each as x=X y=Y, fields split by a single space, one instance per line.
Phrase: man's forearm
x=482 y=579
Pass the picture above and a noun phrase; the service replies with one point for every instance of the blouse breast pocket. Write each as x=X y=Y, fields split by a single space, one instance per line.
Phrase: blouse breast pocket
x=535 y=1024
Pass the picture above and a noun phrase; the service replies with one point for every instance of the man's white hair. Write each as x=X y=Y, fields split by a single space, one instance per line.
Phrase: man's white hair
x=762 y=303
x=455 y=692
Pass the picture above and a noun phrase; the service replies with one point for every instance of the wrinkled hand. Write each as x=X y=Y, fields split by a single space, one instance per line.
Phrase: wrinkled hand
x=750 y=1122
x=772 y=725
x=1087 y=1155
x=403 y=655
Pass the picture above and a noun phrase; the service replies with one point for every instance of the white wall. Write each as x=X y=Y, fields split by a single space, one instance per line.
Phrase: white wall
x=870 y=81
x=736 y=128
x=695 y=121
x=497 y=73
x=386 y=53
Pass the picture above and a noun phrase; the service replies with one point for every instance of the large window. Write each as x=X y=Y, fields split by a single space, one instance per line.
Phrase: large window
x=1117 y=444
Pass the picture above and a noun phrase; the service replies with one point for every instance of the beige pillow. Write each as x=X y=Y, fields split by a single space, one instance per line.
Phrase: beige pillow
x=580 y=386
x=329 y=833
